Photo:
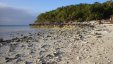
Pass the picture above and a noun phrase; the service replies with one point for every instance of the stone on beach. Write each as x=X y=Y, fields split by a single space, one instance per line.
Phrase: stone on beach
x=82 y=45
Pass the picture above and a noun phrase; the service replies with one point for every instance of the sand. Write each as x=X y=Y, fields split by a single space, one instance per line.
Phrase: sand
x=85 y=45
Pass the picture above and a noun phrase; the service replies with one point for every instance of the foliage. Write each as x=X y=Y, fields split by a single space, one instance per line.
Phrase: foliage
x=81 y=12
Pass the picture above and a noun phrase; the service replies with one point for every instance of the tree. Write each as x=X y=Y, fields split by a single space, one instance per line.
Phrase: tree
x=81 y=12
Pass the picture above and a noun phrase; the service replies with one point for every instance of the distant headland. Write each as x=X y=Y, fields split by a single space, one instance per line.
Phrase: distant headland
x=68 y=15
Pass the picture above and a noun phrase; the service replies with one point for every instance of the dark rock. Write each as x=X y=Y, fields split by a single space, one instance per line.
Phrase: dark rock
x=1 y=40
x=81 y=37
x=5 y=42
x=38 y=34
x=48 y=36
x=28 y=62
x=25 y=37
x=22 y=35
x=43 y=60
x=12 y=47
x=29 y=33
x=32 y=51
x=17 y=56
x=41 y=52
x=44 y=63
x=18 y=40
x=15 y=38
x=99 y=30
x=98 y=34
x=8 y=41
x=49 y=56
x=45 y=46
x=9 y=59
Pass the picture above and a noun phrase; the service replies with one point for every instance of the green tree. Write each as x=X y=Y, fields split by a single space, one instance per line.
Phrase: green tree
x=81 y=12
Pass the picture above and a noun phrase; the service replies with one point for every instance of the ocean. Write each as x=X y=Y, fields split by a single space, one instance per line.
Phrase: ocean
x=10 y=28
x=10 y=31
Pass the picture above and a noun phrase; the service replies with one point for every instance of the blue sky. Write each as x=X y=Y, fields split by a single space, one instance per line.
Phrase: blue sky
x=33 y=8
x=44 y=5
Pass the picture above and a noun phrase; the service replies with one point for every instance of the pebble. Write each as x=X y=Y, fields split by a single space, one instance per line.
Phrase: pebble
x=51 y=47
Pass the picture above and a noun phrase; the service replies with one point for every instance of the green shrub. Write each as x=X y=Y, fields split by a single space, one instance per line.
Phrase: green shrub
x=80 y=13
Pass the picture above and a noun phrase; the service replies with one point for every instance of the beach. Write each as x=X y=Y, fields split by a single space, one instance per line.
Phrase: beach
x=82 y=45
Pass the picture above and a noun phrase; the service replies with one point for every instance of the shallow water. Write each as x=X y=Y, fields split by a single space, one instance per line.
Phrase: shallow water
x=12 y=28
x=9 y=31
x=13 y=31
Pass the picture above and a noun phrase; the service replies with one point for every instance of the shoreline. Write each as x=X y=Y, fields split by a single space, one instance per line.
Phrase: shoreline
x=83 y=45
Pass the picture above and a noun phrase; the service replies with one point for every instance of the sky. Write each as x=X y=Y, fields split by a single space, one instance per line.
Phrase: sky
x=24 y=12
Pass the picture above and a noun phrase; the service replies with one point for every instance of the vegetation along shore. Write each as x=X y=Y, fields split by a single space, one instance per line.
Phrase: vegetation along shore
x=69 y=15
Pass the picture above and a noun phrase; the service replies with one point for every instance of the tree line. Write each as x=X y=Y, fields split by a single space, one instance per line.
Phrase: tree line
x=77 y=13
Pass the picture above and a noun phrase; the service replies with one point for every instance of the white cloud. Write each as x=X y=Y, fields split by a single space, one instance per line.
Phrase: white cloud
x=14 y=16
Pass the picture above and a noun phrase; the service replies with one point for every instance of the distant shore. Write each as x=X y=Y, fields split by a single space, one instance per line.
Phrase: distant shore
x=62 y=25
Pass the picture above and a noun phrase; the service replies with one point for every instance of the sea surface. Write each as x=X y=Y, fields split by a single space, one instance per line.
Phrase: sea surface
x=10 y=31
x=9 y=28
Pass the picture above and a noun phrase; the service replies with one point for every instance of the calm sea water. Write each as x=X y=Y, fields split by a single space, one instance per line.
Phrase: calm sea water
x=10 y=28
x=7 y=30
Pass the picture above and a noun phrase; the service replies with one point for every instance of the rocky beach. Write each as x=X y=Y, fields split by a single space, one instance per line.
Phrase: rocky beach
x=82 y=45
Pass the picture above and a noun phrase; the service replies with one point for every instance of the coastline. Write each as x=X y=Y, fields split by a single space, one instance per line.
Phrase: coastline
x=82 y=45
